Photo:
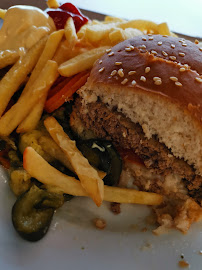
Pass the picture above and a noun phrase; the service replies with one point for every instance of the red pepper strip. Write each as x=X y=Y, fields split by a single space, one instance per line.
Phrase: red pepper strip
x=58 y=87
x=5 y=162
x=65 y=93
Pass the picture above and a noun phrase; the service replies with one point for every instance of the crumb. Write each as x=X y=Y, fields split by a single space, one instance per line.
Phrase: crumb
x=82 y=248
x=144 y=229
x=115 y=208
x=183 y=264
x=146 y=246
x=99 y=223
x=182 y=256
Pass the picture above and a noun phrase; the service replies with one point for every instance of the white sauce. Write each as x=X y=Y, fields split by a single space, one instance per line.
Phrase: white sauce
x=23 y=26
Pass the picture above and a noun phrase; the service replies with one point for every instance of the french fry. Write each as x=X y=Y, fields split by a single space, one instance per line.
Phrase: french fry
x=21 y=109
x=119 y=34
x=99 y=33
x=88 y=176
x=81 y=62
x=18 y=74
x=163 y=29
x=38 y=168
x=141 y=25
x=110 y=19
x=52 y=3
x=8 y=57
x=2 y=13
x=70 y=33
x=31 y=121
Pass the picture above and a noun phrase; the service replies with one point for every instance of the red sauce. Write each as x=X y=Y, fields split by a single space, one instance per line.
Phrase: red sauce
x=130 y=155
x=60 y=16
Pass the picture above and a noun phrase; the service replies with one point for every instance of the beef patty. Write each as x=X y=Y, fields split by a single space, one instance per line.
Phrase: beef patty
x=113 y=126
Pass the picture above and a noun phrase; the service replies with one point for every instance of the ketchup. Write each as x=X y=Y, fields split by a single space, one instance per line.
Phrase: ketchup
x=60 y=16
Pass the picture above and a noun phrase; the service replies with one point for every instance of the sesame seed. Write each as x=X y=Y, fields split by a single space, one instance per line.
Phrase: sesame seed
x=164 y=53
x=196 y=41
x=160 y=43
x=151 y=38
x=178 y=84
x=186 y=65
x=184 y=44
x=100 y=62
x=172 y=57
x=147 y=69
x=131 y=72
x=182 y=69
x=156 y=78
x=111 y=53
x=128 y=49
x=181 y=54
x=174 y=79
x=118 y=63
x=120 y=72
x=200 y=49
x=132 y=47
x=124 y=81
x=165 y=36
x=158 y=82
x=142 y=78
x=102 y=69
x=108 y=50
x=198 y=79
x=133 y=82
x=113 y=72
x=142 y=46
x=181 y=40
x=144 y=39
x=153 y=52
x=172 y=46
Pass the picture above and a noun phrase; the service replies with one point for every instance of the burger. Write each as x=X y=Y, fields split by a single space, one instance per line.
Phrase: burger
x=145 y=95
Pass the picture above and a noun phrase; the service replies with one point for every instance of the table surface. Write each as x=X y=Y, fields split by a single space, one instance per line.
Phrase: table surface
x=182 y=16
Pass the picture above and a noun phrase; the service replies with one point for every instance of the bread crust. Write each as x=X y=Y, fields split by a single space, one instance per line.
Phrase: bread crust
x=177 y=79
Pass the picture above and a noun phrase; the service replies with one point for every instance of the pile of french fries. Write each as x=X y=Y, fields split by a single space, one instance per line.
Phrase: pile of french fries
x=64 y=52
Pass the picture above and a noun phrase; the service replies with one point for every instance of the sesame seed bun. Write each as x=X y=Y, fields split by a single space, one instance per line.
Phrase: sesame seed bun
x=155 y=81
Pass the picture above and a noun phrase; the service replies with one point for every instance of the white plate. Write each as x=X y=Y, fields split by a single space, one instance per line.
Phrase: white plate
x=74 y=243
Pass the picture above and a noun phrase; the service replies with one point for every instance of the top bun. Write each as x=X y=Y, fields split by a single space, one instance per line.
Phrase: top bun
x=155 y=81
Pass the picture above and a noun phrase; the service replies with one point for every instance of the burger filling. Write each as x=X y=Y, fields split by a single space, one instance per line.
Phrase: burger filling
x=155 y=169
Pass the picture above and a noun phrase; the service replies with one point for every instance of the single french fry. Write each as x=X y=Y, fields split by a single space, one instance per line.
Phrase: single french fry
x=141 y=25
x=32 y=119
x=52 y=3
x=81 y=62
x=21 y=109
x=38 y=168
x=88 y=176
x=18 y=74
x=8 y=57
x=163 y=29
x=2 y=13
x=110 y=19
x=48 y=52
x=70 y=32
